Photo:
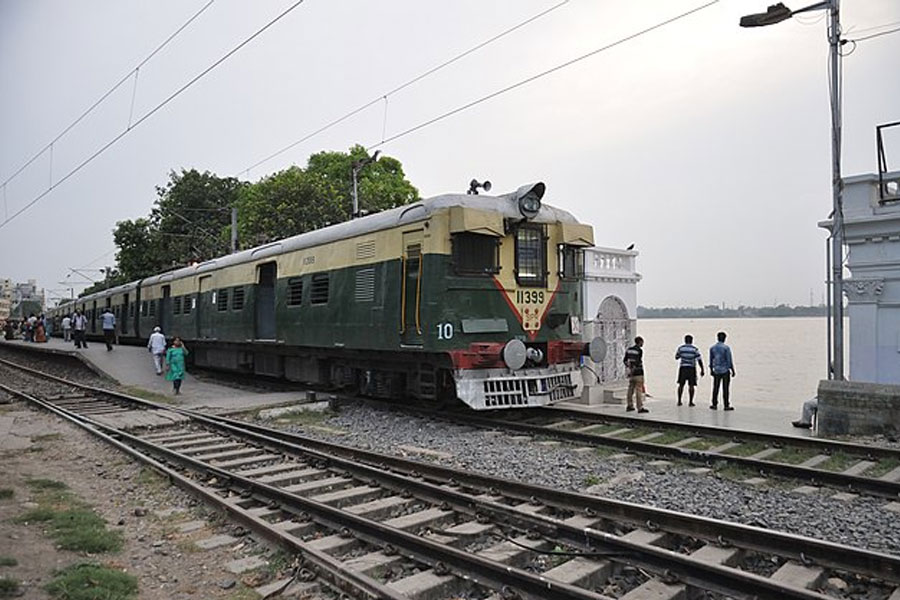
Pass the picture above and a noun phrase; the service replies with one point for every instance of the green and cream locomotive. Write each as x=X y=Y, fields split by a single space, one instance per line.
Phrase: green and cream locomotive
x=472 y=297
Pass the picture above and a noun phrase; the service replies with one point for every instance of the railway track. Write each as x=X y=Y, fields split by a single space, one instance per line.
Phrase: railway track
x=376 y=526
x=855 y=468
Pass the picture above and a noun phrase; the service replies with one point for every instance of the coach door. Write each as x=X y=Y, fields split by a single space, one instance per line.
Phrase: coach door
x=203 y=304
x=165 y=309
x=267 y=274
x=123 y=319
x=411 y=289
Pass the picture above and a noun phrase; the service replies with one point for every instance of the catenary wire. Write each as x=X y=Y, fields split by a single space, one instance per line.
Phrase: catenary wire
x=540 y=75
x=106 y=95
x=150 y=113
x=384 y=96
x=875 y=35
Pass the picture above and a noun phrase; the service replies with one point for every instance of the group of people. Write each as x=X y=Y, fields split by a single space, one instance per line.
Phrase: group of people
x=33 y=329
x=721 y=366
x=171 y=360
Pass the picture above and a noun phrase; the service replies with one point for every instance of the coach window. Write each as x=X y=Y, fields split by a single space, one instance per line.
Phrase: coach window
x=237 y=298
x=475 y=254
x=531 y=255
x=318 y=293
x=176 y=305
x=189 y=303
x=152 y=307
x=222 y=303
x=571 y=262
x=295 y=291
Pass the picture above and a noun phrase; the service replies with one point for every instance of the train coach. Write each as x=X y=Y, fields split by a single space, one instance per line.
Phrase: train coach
x=472 y=297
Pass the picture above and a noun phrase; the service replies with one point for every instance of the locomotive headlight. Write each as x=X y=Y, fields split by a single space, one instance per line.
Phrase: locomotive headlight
x=534 y=355
x=514 y=354
x=596 y=349
x=529 y=198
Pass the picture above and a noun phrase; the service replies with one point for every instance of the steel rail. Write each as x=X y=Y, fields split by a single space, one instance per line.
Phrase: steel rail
x=802 y=548
x=325 y=566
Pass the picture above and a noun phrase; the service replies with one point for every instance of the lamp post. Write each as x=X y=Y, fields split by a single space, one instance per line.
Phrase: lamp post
x=358 y=166
x=775 y=14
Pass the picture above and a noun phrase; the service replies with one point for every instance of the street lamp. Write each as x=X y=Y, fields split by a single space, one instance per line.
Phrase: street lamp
x=776 y=14
x=358 y=166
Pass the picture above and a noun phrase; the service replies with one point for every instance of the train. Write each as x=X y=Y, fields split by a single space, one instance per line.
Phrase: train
x=459 y=297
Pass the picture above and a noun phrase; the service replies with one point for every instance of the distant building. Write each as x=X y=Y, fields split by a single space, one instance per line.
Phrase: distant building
x=16 y=297
x=609 y=304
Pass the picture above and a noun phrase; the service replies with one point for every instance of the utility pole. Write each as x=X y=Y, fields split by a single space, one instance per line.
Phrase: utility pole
x=358 y=166
x=776 y=14
x=233 y=229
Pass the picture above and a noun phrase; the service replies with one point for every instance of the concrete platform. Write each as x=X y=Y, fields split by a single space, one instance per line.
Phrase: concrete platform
x=765 y=419
x=132 y=366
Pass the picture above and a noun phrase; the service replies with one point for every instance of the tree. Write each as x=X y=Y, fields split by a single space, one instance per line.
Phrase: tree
x=297 y=200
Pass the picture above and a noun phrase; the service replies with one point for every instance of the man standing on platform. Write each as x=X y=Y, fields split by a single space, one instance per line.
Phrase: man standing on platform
x=634 y=367
x=79 y=324
x=157 y=347
x=721 y=365
x=688 y=354
x=108 y=320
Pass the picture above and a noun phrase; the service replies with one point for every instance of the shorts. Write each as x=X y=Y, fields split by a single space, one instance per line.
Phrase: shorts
x=687 y=375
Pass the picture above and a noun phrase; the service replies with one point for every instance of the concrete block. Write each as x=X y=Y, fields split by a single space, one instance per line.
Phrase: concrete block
x=799 y=575
x=717 y=555
x=242 y=565
x=424 y=452
x=844 y=496
x=381 y=508
x=892 y=475
x=755 y=481
x=724 y=447
x=860 y=467
x=372 y=562
x=427 y=585
x=192 y=526
x=764 y=454
x=650 y=436
x=892 y=506
x=806 y=490
x=582 y=572
x=216 y=541
x=657 y=590
x=514 y=554
x=294 y=475
x=685 y=442
x=334 y=544
x=354 y=495
x=815 y=461
x=433 y=518
x=319 y=486
x=699 y=470
x=660 y=463
x=247 y=460
x=646 y=537
x=468 y=530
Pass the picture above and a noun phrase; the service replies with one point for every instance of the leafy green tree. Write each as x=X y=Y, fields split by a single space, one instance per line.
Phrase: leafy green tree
x=298 y=200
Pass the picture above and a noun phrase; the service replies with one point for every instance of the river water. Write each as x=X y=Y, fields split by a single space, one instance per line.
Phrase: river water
x=778 y=361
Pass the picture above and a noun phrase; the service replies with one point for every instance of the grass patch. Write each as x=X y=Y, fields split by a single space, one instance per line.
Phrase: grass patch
x=9 y=587
x=601 y=428
x=635 y=433
x=704 y=443
x=734 y=472
x=244 y=593
x=605 y=452
x=6 y=493
x=71 y=522
x=304 y=417
x=839 y=461
x=669 y=437
x=151 y=478
x=746 y=449
x=884 y=466
x=92 y=582
x=8 y=561
x=148 y=395
x=794 y=456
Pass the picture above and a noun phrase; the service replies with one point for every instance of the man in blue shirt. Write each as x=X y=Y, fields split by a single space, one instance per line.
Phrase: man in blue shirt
x=721 y=365
x=688 y=355
x=108 y=320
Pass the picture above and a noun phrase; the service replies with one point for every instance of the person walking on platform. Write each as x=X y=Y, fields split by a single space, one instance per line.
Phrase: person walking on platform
x=634 y=367
x=157 y=347
x=67 y=328
x=175 y=361
x=108 y=320
x=721 y=365
x=79 y=324
x=688 y=354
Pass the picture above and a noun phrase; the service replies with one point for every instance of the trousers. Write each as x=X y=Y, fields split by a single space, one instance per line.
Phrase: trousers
x=723 y=379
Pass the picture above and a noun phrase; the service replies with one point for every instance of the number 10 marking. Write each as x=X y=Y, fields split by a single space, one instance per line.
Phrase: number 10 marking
x=445 y=331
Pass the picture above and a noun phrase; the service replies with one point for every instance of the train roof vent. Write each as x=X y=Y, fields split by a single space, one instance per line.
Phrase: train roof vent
x=365 y=250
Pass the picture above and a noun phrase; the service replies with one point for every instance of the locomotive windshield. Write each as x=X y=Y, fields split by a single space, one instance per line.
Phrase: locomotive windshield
x=531 y=255
x=475 y=254
x=571 y=262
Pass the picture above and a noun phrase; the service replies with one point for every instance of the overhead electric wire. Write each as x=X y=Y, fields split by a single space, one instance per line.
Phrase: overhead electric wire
x=537 y=76
x=875 y=35
x=108 y=93
x=402 y=86
x=152 y=112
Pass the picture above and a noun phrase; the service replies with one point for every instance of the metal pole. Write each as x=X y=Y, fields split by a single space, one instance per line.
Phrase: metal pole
x=234 y=230
x=837 y=227
x=829 y=366
x=355 y=212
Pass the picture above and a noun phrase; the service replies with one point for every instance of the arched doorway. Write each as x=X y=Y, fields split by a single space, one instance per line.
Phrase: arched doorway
x=613 y=326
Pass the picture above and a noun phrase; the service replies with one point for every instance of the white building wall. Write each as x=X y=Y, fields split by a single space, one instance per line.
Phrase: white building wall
x=872 y=236
x=609 y=305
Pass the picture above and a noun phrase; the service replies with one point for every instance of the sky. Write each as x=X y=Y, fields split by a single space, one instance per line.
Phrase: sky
x=704 y=144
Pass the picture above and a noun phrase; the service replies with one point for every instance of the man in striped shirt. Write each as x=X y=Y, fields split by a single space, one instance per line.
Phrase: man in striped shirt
x=688 y=356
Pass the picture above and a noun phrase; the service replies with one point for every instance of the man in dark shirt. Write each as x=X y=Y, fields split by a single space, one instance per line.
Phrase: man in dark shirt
x=634 y=367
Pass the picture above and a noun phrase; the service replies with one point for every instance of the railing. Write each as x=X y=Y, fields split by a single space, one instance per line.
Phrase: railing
x=601 y=262
x=888 y=183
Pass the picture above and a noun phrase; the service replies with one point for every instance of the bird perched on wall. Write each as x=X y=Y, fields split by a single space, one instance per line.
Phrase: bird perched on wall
x=631 y=247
